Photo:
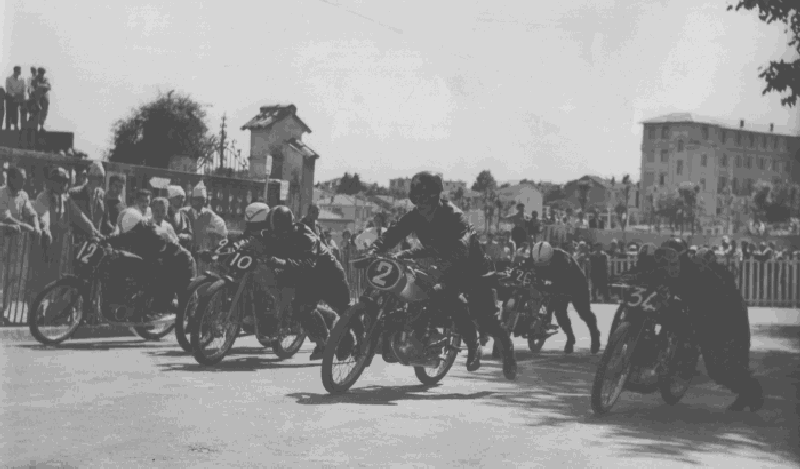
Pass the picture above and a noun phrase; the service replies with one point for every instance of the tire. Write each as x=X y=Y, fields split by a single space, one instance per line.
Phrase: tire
x=615 y=322
x=624 y=335
x=682 y=358
x=198 y=336
x=185 y=316
x=535 y=344
x=152 y=333
x=285 y=353
x=342 y=327
x=33 y=325
x=443 y=367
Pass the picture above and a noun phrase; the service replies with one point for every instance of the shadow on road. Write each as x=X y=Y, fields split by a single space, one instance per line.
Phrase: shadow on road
x=383 y=395
x=556 y=392
x=91 y=346
x=234 y=351
x=240 y=364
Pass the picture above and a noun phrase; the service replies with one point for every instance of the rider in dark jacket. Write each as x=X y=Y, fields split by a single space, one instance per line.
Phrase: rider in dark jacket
x=560 y=268
x=309 y=265
x=719 y=318
x=449 y=238
x=176 y=273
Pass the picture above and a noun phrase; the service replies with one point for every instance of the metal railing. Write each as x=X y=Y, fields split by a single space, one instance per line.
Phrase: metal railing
x=26 y=267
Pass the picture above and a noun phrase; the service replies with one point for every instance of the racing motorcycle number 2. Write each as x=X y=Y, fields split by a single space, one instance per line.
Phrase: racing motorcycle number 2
x=383 y=274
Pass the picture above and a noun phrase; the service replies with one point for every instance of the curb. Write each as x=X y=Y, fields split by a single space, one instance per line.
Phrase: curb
x=107 y=332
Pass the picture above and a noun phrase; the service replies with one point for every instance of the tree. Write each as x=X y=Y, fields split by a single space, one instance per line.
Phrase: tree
x=779 y=76
x=770 y=203
x=172 y=124
x=350 y=185
x=526 y=181
x=485 y=181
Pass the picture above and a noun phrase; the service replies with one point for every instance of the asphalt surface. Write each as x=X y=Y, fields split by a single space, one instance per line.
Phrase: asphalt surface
x=128 y=403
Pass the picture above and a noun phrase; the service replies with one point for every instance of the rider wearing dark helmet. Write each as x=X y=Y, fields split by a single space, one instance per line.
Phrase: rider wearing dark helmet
x=449 y=238
x=556 y=265
x=309 y=265
x=718 y=314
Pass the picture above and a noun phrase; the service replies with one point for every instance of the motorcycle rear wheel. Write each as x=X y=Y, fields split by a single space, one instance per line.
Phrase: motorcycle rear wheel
x=154 y=332
x=440 y=371
x=621 y=347
x=343 y=328
x=38 y=330
x=206 y=310
x=682 y=358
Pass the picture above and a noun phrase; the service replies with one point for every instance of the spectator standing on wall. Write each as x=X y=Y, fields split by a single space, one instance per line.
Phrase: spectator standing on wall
x=16 y=95
x=90 y=197
x=41 y=92
x=113 y=205
x=15 y=206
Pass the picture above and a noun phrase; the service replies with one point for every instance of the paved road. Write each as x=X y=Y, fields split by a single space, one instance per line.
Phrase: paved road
x=127 y=403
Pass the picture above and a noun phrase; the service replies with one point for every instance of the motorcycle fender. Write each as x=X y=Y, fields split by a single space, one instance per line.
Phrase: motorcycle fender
x=83 y=282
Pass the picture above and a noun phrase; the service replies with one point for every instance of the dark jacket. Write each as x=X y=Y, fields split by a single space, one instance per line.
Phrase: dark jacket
x=303 y=255
x=448 y=237
x=113 y=207
x=93 y=208
x=143 y=241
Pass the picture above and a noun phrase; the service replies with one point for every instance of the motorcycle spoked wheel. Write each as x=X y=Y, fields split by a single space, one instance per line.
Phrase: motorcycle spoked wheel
x=344 y=331
x=39 y=331
x=680 y=366
x=203 y=328
x=620 y=348
x=446 y=361
x=538 y=333
x=185 y=316
x=284 y=346
x=156 y=332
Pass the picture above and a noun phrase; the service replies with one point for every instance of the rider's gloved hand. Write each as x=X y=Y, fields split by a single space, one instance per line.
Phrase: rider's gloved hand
x=406 y=254
x=276 y=262
x=205 y=256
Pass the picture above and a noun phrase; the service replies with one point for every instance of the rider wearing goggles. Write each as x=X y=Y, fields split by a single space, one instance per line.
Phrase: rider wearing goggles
x=560 y=268
x=310 y=266
x=447 y=236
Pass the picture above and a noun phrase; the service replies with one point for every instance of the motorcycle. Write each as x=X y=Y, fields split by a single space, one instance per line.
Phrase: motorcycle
x=229 y=304
x=110 y=287
x=396 y=313
x=526 y=312
x=651 y=347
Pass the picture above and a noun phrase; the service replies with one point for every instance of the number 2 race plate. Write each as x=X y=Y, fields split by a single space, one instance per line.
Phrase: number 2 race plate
x=383 y=274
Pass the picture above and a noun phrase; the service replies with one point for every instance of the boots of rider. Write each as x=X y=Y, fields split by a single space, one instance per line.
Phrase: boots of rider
x=482 y=306
x=314 y=323
x=591 y=322
x=750 y=395
x=566 y=325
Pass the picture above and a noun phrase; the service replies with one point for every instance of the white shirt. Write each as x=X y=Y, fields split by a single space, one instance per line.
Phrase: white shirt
x=16 y=87
x=130 y=217
x=365 y=239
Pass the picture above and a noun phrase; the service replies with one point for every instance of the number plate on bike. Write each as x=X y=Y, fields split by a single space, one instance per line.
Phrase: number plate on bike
x=384 y=274
x=521 y=277
x=242 y=261
x=642 y=298
x=87 y=254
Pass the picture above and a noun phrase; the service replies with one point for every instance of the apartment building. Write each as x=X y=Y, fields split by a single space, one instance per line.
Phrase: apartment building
x=723 y=160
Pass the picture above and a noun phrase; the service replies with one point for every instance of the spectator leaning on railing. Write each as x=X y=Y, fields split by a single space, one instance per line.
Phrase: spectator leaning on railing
x=15 y=206
x=90 y=197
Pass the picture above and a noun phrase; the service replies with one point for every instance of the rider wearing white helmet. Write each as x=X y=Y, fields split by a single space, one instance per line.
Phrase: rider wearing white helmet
x=255 y=218
x=559 y=267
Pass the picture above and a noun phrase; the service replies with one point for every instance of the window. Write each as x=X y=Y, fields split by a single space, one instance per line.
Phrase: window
x=662 y=178
x=704 y=160
x=752 y=140
x=738 y=139
x=664 y=131
x=776 y=181
x=651 y=132
x=738 y=161
x=778 y=143
x=735 y=186
x=705 y=132
x=724 y=161
x=787 y=167
x=764 y=141
x=722 y=182
x=679 y=168
x=651 y=156
x=680 y=146
x=703 y=184
x=776 y=166
x=748 y=162
x=761 y=163
x=723 y=135
x=649 y=179
x=664 y=156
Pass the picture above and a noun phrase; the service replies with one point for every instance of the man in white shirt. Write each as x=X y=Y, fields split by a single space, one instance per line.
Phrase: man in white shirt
x=131 y=216
x=15 y=206
x=16 y=95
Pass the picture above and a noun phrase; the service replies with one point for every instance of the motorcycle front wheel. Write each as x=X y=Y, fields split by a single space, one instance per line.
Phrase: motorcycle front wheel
x=57 y=311
x=681 y=363
x=185 y=317
x=616 y=359
x=348 y=342
x=218 y=316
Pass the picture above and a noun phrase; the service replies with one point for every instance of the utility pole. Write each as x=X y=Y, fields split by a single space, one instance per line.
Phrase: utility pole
x=222 y=136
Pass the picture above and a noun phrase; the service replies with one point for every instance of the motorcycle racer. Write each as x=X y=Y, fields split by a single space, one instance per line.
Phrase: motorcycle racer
x=557 y=266
x=309 y=265
x=449 y=238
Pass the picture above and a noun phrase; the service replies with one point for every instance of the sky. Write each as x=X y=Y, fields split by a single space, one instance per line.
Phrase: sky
x=539 y=90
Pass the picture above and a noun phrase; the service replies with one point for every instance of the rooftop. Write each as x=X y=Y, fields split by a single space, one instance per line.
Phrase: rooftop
x=269 y=115
x=301 y=147
x=733 y=124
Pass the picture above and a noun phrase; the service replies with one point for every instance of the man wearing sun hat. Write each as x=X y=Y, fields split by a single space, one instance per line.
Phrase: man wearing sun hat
x=178 y=217
x=207 y=226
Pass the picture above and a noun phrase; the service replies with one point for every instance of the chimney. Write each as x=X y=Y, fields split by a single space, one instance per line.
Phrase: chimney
x=741 y=124
x=771 y=127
